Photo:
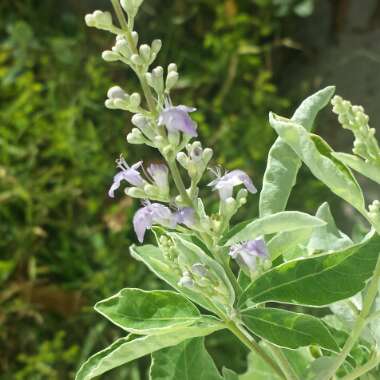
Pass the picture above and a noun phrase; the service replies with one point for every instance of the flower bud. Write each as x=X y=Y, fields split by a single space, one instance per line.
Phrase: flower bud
x=199 y=269
x=140 y=121
x=135 y=100
x=110 y=56
x=122 y=47
x=145 y=52
x=136 y=137
x=156 y=46
x=135 y=37
x=157 y=79
x=116 y=92
x=131 y=7
x=99 y=19
x=183 y=159
x=171 y=80
x=172 y=67
x=137 y=60
x=230 y=206
x=150 y=190
x=207 y=155
x=186 y=281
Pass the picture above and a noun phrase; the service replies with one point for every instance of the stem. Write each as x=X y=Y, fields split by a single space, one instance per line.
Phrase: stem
x=283 y=361
x=357 y=372
x=360 y=322
x=179 y=183
x=144 y=85
x=249 y=342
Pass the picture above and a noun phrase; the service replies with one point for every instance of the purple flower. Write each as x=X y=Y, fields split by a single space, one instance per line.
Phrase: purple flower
x=178 y=119
x=127 y=173
x=159 y=174
x=225 y=184
x=248 y=253
x=150 y=214
x=185 y=216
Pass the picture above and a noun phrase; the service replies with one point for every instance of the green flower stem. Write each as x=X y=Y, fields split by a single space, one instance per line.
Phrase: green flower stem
x=283 y=362
x=249 y=342
x=360 y=321
x=357 y=372
x=144 y=85
x=179 y=183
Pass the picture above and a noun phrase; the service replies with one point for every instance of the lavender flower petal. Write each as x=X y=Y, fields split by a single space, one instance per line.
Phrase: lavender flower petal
x=249 y=253
x=129 y=174
x=225 y=184
x=160 y=175
x=185 y=216
x=178 y=119
x=152 y=213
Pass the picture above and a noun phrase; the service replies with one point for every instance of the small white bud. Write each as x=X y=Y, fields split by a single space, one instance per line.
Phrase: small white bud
x=135 y=137
x=171 y=80
x=89 y=19
x=230 y=206
x=116 y=92
x=156 y=46
x=172 y=67
x=207 y=155
x=122 y=47
x=135 y=100
x=110 y=56
x=137 y=60
x=109 y=103
x=145 y=52
x=183 y=159
x=158 y=72
x=199 y=269
x=149 y=79
x=140 y=121
x=135 y=37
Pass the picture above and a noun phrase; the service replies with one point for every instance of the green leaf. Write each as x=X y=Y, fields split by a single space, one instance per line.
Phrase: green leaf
x=288 y=329
x=188 y=360
x=127 y=349
x=148 y=312
x=318 y=280
x=367 y=169
x=258 y=369
x=153 y=258
x=282 y=163
x=228 y=374
x=282 y=221
x=328 y=237
x=287 y=243
x=317 y=155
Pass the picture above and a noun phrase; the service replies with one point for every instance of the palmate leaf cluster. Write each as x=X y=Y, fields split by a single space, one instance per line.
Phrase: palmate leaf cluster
x=319 y=267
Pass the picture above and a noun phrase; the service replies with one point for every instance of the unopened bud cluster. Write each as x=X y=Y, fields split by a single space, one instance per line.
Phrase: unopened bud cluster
x=353 y=118
x=168 y=128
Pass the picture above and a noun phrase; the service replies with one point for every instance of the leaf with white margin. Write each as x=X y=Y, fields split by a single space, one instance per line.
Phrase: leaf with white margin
x=280 y=222
x=127 y=349
x=367 y=169
x=318 y=280
x=317 y=155
x=328 y=237
x=282 y=163
x=148 y=312
x=188 y=360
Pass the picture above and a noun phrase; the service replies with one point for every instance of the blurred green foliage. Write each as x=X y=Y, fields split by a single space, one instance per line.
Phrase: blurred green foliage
x=64 y=244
